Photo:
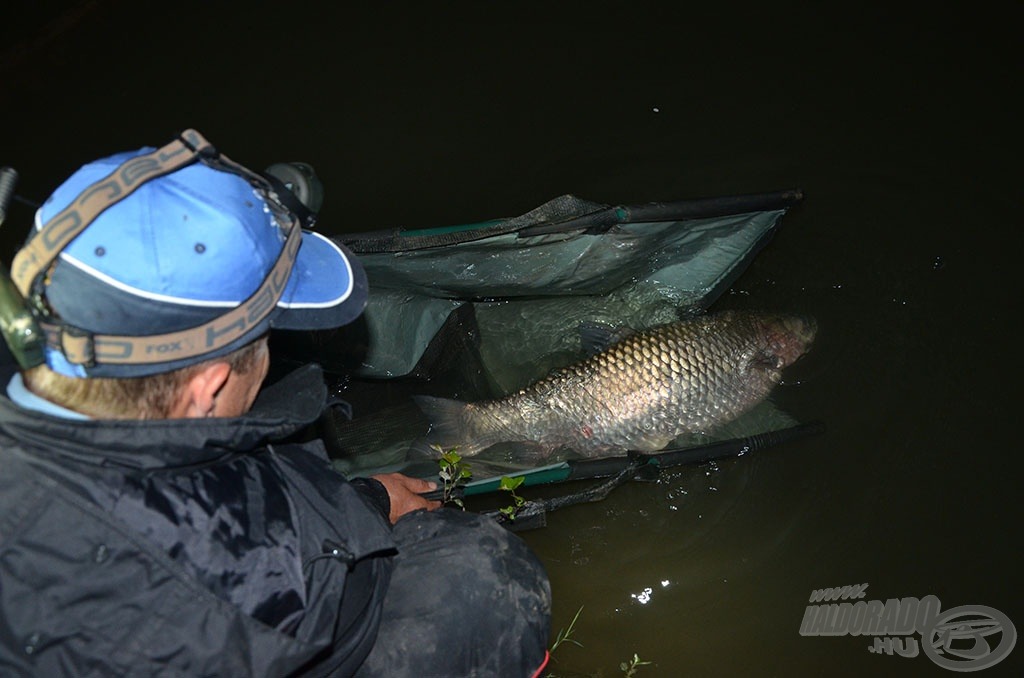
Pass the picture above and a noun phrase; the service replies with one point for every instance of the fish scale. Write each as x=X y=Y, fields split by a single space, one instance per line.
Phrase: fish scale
x=640 y=392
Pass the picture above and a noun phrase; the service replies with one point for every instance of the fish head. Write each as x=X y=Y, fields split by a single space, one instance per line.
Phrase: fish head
x=788 y=337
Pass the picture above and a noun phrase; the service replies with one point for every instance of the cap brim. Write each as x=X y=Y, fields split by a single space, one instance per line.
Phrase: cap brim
x=327 y=287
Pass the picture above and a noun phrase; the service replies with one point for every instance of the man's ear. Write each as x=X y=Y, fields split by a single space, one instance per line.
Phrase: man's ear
x=198 y=397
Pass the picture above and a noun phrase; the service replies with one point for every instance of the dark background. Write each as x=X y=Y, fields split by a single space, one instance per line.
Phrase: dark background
x=899 y=123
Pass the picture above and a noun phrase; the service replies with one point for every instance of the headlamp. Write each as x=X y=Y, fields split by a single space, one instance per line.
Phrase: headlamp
x=18 y=325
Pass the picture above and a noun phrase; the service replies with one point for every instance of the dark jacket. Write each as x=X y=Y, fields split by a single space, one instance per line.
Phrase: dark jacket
x=185 y=547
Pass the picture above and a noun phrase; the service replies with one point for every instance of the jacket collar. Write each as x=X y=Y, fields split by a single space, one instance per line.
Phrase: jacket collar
x=281 y=410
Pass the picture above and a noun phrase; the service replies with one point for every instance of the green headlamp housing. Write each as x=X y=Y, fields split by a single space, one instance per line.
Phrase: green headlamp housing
x=18 y=325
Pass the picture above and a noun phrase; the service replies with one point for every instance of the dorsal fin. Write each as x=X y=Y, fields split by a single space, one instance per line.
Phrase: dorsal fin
x=597 y=336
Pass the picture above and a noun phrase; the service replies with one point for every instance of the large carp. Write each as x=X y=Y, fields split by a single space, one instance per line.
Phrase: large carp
x=640 y=392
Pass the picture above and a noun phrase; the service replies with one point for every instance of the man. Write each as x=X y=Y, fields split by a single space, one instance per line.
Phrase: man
x=159 y=514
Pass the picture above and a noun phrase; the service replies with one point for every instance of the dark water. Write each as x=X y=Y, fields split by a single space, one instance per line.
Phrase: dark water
x=900 y=126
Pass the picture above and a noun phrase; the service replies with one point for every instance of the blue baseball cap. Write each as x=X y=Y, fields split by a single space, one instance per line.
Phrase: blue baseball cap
x=181 y=250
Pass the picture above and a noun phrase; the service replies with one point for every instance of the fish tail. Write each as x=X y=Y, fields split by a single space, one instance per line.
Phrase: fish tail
x=455 y=424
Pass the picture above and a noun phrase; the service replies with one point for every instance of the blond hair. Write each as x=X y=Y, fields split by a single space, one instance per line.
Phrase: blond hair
x=150 y=397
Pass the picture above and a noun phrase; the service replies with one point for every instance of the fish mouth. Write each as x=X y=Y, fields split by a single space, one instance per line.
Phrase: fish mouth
x=791 y=336
x=803 y=328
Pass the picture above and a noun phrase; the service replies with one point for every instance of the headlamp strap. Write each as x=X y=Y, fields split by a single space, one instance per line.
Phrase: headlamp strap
x=39 y=252
x=84 y=348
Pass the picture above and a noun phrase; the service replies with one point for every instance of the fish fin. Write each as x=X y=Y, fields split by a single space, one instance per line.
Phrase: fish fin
x=649 y=444
x=597 y=336
x=687 y=313
x=420 y=449
x=451 y=424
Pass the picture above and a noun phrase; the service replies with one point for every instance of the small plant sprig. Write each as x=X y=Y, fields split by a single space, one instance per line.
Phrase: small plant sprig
x=629 y=668
x=565 y=635
x=454 y=474
x=509 y=485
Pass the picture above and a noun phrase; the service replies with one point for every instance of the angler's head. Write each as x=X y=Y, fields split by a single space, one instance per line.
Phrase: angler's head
x=148 y=261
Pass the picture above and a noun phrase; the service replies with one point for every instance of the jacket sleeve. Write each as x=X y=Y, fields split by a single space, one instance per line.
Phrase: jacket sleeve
x=83 y=595
x=375 y=494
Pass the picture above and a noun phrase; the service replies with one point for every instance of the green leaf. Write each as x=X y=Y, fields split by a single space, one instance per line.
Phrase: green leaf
x=507 y=483
x=452 y=457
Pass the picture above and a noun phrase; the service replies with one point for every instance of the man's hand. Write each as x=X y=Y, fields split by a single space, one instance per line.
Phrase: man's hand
x=404 y=493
